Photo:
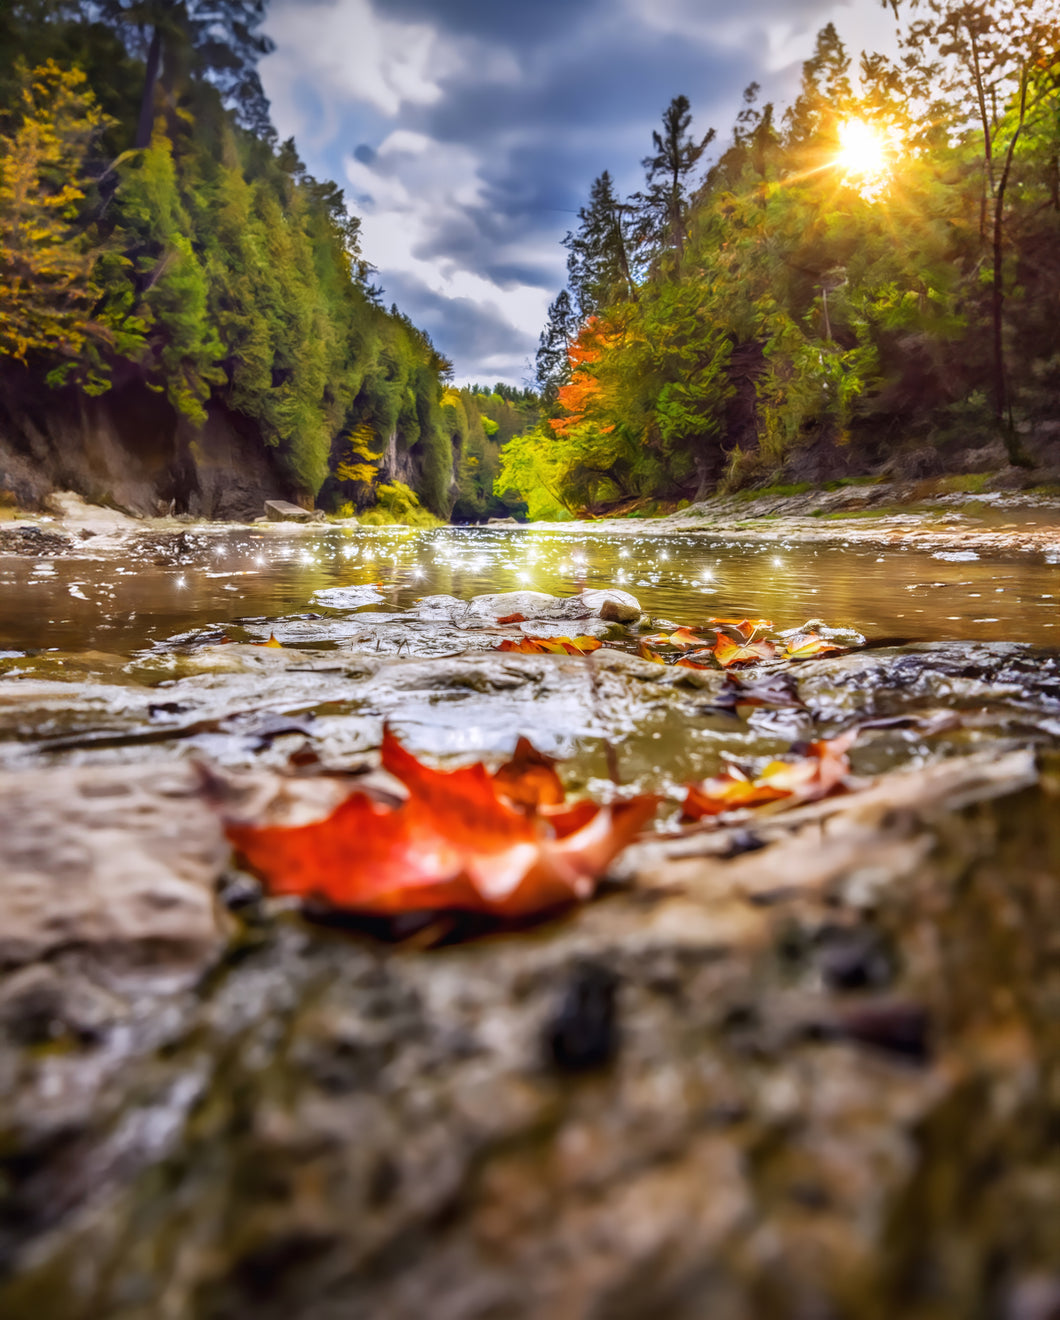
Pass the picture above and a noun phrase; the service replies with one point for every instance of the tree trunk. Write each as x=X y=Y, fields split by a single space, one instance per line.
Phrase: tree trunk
x=1002 y=404
x=988 y=144
x=147 y=103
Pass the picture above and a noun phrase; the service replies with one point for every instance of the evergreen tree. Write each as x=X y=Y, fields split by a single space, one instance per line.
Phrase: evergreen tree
x=598 y=268
x=220 y=40
x=553 y=369
x=663 y=207
x=826 y=90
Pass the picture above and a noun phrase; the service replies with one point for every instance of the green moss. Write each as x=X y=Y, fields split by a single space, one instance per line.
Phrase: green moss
x=971 y=483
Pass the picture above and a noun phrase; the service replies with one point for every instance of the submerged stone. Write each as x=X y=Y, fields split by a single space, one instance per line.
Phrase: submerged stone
x=285 y=511
x=610 y=605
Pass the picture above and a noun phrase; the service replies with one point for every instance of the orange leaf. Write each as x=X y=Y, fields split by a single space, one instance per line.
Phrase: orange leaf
x=806 y=780
x=511 y=618
x=454 y=843
x=551 y=645
x=683 y=638
x=744 y=627
x=528 y=780
x=728 y=792
x=646 y=653
x=805 y=645
x=729 y=652
x=690 y=662
x=271 y=642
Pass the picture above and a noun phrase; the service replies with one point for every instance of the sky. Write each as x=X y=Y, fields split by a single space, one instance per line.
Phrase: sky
x=467 y=133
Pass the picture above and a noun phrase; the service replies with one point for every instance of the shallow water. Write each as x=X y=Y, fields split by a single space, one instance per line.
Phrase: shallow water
x=120 y=602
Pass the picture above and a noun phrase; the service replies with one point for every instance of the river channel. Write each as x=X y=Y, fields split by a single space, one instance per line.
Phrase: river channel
x=119 y=602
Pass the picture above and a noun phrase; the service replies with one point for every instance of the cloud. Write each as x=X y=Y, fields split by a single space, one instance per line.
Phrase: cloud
x=468 y=131
x=468 y=330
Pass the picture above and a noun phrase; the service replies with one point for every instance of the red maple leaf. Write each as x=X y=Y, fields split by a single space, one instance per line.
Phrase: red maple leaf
x=459 y=841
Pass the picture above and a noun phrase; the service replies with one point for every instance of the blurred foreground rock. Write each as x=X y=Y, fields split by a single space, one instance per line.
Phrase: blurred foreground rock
x=826 y=1084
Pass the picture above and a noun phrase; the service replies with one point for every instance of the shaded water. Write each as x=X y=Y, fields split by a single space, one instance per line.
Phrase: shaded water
x=120 y=602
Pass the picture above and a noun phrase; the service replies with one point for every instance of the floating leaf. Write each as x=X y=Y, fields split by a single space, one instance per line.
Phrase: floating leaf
x=271 y=642
x=455 y=843
x=646 y=653
x=745 y=628
x=682 y=638
x=806 y=645
x=807 y=779
x=727 y=652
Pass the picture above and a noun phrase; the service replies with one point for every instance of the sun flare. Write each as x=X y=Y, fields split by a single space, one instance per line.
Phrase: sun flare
x=866 y=155
x=863 y=150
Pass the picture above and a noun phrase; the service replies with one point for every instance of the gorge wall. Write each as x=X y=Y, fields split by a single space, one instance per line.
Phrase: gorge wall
x=129 y=449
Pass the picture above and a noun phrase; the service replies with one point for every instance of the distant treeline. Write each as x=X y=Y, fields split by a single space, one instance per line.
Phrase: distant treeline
x=871 y=274
x=153 y=228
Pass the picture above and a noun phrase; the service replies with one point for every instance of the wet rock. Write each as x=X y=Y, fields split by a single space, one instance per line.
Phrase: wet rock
x=612 y=605
x=609 y=605
x=284 y=511
x=348 y=598
x=326 y=1128
x=888 y=682
x=31 y=540
x=113 y=861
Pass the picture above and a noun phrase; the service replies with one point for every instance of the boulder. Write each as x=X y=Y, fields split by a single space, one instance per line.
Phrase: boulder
x=612 y=606
x=285 y=511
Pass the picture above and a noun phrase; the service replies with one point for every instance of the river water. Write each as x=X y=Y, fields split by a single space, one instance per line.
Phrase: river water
x=119 y=602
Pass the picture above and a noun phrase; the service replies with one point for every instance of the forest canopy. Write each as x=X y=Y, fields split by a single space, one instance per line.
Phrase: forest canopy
x=871 y=273
x=153 y=229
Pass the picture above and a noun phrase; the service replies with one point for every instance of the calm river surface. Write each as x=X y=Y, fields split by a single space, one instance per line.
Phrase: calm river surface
x=120 y=602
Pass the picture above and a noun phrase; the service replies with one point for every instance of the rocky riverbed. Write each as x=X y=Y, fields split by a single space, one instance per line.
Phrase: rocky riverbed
x=803 y=1063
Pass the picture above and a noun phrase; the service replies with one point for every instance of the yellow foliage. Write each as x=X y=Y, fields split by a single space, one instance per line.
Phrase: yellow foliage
x=46 y=287
x=359 y=463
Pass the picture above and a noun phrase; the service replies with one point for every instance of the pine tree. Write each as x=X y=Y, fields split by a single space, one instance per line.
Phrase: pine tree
x=220 y=40
x=598 y=268
x=663 y=207
x=553 y=367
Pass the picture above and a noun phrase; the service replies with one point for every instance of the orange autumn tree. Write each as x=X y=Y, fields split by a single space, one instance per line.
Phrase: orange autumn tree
x=595 y=444
x=583 y=398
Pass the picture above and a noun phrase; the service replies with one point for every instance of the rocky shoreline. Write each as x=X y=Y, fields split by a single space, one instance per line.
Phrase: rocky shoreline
x=890 y=516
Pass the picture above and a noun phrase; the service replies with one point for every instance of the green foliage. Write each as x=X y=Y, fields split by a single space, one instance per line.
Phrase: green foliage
x=478 y=425
x=206 y=261
x=792 y=299
x=48 y=271
x=396 y=503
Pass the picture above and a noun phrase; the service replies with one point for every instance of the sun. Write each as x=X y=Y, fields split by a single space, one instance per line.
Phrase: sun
x=863 y=150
